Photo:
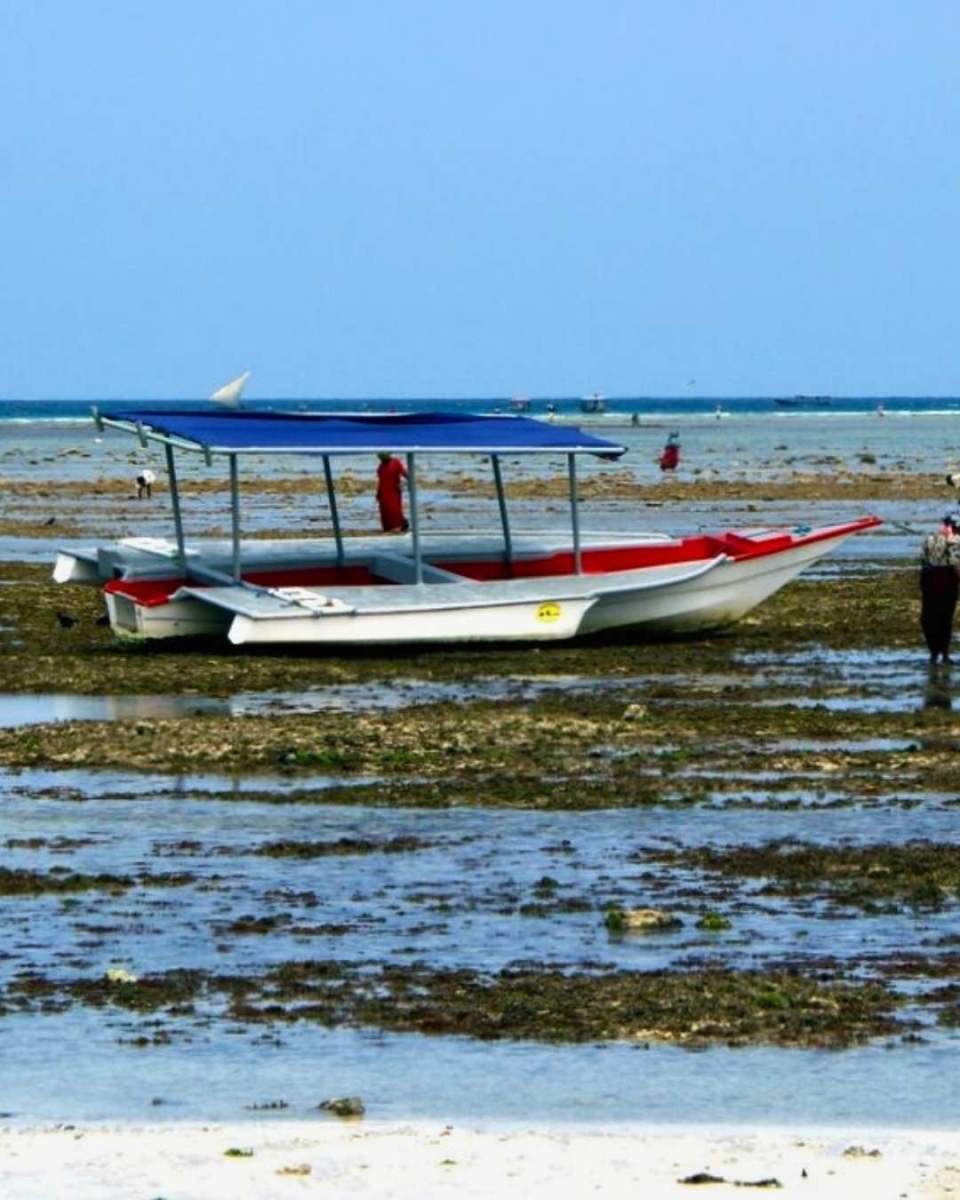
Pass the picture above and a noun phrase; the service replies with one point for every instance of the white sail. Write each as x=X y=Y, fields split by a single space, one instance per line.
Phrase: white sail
x=230 y=392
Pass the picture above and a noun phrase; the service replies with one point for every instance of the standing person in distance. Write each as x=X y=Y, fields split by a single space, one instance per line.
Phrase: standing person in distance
x=390 y=475
x=670 y=458
x=939 y=587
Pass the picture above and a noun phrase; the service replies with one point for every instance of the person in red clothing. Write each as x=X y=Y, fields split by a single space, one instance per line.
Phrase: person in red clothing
x=670 y=458
x=390 y=474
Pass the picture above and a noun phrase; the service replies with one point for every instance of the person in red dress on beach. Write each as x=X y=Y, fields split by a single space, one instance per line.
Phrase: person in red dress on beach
x=390 y=474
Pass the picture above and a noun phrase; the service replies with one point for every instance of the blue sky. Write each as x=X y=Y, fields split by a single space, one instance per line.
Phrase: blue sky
x=440 y=198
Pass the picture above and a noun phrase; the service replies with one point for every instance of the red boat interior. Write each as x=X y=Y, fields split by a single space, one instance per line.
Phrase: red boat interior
x=150 y=592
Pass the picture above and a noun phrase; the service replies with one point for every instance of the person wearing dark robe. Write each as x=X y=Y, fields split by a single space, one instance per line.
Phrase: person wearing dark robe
x=939 y=586
x=390 y=474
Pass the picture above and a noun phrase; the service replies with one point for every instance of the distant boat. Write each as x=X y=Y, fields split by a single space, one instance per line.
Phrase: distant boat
x=520 y=404
x=230 y=393
x=803 y=401
x=593 y=404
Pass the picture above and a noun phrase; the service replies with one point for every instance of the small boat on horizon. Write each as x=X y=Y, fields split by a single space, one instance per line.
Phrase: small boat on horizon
x=803 y=401
x=593 y=404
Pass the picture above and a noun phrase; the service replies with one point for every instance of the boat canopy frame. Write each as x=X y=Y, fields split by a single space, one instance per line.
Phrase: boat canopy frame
x=410 y=434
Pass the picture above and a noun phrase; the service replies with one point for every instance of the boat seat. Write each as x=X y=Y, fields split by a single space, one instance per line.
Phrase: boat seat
x=155 y=545
x=398 y=568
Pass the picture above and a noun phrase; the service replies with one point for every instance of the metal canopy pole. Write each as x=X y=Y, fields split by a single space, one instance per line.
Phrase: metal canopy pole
x=504 y=517
x=334 y=515
x=175 y=503
x=574 y=514
x=235 y=516
x=414 y=517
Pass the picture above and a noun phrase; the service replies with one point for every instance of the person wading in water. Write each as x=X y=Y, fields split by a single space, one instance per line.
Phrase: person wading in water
x=390 y=473
x=670 y=458
x=939 y=584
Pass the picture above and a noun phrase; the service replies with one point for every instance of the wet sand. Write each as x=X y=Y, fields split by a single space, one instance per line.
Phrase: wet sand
x=91 y=507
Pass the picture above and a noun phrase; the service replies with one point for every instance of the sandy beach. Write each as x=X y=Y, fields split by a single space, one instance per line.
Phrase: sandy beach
x=401 y=1161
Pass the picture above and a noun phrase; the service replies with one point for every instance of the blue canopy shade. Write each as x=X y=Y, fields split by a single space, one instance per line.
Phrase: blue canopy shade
x=320 y=433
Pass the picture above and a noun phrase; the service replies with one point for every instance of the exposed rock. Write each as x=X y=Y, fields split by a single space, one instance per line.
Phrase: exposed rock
x=640 y=920
x=344 y=1106
x=120 y=975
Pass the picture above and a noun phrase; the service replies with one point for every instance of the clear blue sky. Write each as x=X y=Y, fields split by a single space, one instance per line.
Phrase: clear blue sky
x=442 y=198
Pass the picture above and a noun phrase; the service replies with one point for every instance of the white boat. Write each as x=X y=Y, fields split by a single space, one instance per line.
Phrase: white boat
x=593 y=404
x=229 y=395
x=416 y=588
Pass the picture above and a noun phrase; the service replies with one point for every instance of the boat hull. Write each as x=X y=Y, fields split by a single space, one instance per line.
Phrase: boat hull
x=530 y=621
x=703 y=605
x=461 y=593
x=176 y=619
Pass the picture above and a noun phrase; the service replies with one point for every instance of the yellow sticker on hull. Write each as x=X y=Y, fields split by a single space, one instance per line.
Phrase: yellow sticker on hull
x=548 y=612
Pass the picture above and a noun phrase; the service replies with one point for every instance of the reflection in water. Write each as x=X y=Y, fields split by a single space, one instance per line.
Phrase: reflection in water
x=838 y=680
x=18 y=709
x=938 y=693
x=25 y=709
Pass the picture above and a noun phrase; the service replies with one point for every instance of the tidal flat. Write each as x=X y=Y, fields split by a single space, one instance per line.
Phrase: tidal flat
x=262 y=849
x=431 y=842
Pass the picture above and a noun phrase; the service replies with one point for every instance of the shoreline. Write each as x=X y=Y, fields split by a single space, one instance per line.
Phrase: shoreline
x=401 y=1160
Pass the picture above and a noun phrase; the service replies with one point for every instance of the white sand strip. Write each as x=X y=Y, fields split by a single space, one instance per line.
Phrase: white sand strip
x=332 y=1158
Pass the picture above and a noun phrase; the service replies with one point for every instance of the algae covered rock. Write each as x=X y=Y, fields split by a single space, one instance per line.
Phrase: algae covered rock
x=343 y=1106
x=714 y=922
x=640 y=920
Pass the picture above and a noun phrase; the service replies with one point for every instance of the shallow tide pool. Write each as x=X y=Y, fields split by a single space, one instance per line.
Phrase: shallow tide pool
x=457 y=899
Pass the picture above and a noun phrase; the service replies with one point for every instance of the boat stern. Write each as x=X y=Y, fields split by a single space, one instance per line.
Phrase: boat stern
x=75 y=567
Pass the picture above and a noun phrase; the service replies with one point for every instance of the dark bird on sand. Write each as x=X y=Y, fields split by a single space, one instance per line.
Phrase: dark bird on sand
x=50 y=521
x=65 y=621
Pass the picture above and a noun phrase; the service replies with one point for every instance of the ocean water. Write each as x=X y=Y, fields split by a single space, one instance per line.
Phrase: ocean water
x=751 y=440
x=728 y=437
x=617 y=409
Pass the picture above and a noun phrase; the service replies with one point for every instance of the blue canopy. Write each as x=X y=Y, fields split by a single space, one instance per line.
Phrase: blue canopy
x=321 y=433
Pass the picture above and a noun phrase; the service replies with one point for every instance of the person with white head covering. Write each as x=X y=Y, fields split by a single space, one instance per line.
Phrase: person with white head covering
x=939 y=586
x=145 y=481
